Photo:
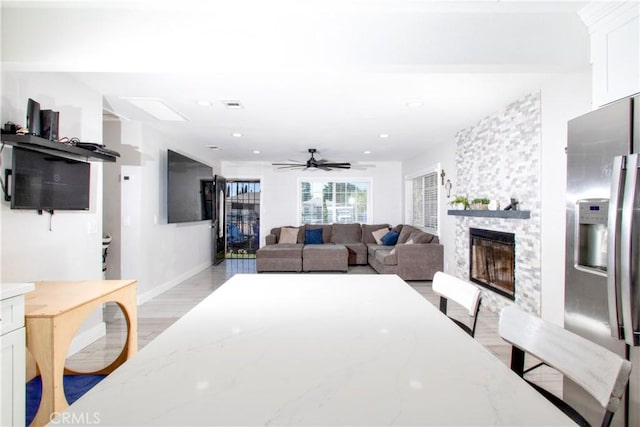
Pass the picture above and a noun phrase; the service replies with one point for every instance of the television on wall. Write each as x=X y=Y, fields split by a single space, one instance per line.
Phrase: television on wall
x=47 y=182
x=188 y=189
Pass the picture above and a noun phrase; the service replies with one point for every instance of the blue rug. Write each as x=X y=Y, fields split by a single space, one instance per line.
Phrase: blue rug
x=74 y=387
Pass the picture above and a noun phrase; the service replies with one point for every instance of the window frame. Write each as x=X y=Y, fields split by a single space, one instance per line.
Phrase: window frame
x=408 y=194
x=347 y=180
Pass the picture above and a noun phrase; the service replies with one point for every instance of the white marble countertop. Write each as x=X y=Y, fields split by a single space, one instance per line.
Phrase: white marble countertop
x=9 y=290
x=314 y=349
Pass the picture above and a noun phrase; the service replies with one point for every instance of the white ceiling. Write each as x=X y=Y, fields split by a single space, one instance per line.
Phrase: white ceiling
x=332 y=75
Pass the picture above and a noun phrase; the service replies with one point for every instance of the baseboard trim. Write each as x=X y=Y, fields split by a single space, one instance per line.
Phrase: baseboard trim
x=150 y=294
x=83 y=339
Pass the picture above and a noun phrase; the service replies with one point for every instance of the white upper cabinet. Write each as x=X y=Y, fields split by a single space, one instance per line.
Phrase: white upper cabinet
x=615 y=49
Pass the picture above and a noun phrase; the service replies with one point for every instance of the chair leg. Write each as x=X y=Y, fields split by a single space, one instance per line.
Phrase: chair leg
x=517 y=360
x=475 y=320
x=443 y=305
x=606 y=421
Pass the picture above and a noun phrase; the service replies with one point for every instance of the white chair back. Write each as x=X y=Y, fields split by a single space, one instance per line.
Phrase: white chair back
x=458 y=290
x=600 y=372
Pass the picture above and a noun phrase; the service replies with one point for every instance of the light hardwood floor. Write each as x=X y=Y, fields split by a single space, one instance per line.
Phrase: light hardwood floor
x=159 y=313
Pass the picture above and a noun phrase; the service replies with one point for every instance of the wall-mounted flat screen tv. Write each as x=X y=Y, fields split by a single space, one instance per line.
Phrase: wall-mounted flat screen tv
x=188 y=189
x=46 y=182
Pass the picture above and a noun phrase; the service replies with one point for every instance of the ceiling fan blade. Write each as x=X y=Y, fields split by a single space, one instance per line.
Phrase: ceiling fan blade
x=340 y=165
x=289 y=164
x=293 y=167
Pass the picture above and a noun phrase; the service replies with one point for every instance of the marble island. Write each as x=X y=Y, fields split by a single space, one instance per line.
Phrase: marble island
x=331 y=350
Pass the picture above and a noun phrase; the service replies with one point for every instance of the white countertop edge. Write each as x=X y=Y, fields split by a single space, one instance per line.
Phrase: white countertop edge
x=8 y=290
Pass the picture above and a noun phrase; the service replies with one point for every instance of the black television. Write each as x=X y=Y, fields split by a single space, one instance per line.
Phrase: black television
x=188 y=189
x=46 y=182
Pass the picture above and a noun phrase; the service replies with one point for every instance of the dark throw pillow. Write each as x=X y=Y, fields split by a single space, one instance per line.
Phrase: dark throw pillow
x=313 y=236
x=391 y=238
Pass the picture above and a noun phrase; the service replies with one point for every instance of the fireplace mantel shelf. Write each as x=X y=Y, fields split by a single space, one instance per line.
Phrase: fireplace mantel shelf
x=491 y=214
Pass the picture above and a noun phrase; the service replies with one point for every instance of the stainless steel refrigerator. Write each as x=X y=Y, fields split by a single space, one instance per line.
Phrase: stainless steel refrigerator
x=602 y=291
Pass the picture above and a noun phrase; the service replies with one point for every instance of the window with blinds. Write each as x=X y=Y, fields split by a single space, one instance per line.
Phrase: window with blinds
x=329 y=201
x=422 y=201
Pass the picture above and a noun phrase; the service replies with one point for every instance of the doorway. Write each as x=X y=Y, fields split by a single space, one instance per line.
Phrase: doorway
x=243 y=218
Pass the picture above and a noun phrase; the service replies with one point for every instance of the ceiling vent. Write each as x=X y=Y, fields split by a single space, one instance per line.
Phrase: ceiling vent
x=233 y=104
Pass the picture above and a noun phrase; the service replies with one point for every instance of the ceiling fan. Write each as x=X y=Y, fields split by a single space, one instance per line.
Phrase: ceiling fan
x=314 y=163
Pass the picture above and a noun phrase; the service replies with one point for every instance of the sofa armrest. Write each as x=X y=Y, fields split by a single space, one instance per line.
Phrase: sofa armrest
x=419 y=261
x=270 y=239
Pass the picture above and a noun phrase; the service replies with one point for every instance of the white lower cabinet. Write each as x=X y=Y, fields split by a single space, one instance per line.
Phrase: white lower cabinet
x=13 y=381
x=12 y=356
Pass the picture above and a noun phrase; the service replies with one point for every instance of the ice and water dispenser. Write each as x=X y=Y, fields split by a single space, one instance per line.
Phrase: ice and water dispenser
x=591 y=235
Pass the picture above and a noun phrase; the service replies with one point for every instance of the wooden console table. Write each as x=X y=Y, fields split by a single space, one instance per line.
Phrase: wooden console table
x=53 y=313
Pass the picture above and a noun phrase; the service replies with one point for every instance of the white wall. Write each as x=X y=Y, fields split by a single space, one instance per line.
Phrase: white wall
x=563 y=98
x=159 y=255
x=72 y=250
x=279 y=191
x=443 y=154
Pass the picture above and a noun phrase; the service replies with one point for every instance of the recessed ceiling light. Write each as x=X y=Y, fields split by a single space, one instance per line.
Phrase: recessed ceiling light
x=213 y=147
x=236 y=105
x=204 y=103
x=157 y=108
x=256 y=151
x=237 y=135
x=367 y=151
x=415 y=104
x=384 y=135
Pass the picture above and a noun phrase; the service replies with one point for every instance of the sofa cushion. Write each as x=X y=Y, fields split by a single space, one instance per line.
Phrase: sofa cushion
x=405 y=233
x=281 y=250
x=276 y=232
x=346 y=233
x=390 y=238
x=372 y=248
x=288 y=235
x=313 y=236
x=379 y=234
x=326 y=231
x=357 y=253
x=421 y=237
x=368 y=229
x=386 y=257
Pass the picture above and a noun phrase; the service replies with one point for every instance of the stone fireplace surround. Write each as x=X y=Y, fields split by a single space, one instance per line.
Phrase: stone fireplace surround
x=499 y=158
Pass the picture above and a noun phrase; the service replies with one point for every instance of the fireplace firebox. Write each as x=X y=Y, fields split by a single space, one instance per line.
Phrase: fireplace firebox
x=492 y=260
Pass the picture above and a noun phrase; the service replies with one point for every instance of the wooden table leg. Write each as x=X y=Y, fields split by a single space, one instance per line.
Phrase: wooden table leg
x=49 y=349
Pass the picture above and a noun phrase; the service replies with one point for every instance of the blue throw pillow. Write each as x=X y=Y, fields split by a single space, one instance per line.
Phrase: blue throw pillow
x=391 y=238
x=313 y=236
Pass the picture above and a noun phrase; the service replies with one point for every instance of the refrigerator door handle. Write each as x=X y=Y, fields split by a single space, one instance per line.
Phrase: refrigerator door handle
x=613 y=248
x=626 y=250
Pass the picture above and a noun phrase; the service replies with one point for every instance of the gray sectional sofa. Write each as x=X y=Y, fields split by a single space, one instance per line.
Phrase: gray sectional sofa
x=415 y=255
